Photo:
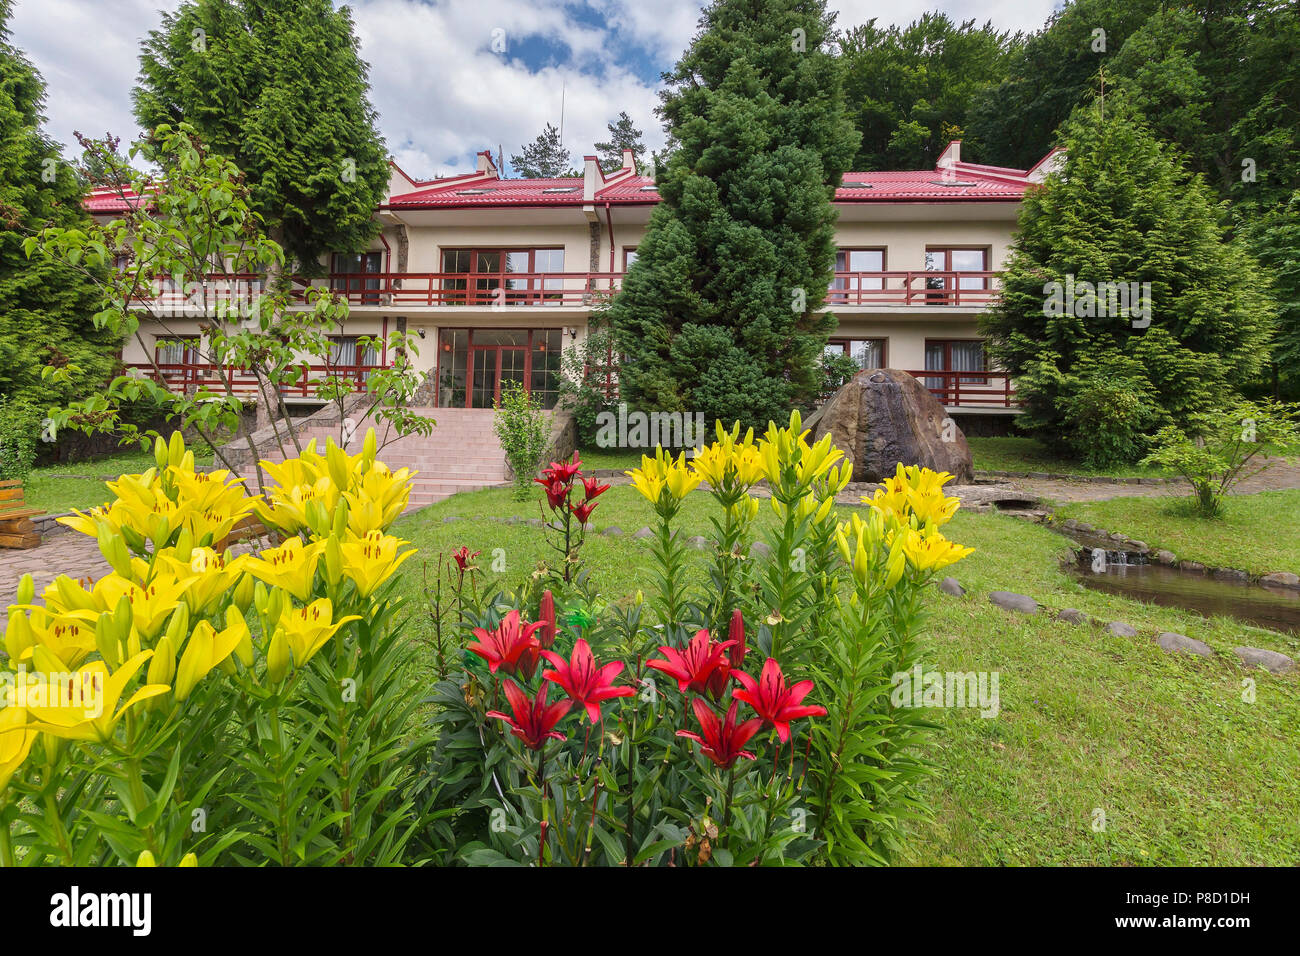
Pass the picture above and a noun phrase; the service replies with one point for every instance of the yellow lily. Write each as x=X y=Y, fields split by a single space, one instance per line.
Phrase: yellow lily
x=207 y=648
x=16 y=739
x=292 y=566
x=97 y=719
x=371 y=560
x=308 y=629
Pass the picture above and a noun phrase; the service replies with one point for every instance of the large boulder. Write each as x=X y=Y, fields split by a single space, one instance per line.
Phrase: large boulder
x=881 y=417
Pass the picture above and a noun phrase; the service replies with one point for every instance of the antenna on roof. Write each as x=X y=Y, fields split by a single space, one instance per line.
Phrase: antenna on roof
x=501 y=157
x=563 y=84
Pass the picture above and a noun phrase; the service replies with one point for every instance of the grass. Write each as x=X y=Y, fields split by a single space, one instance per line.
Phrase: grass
x=1259 y=533
x=1016 y=453
x=1185 y=771
x=60 y=488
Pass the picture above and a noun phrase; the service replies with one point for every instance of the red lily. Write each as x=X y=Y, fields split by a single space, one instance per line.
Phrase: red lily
x=556 y=491
x=583 y=681
x=546 y=615
x=594 y=488
x=736 y=632
x=565 y=472
x=583 y=511
x=534 y=720
x=702 y=667
x=462 y=556
x=510 y=646
x=774 y=702
x=722 y=740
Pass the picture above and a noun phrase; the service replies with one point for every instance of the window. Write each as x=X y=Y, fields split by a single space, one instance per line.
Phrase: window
x=948 y=289
x=474 y=365
x=955 y=355
x=629 y=257
x=505 y=276
x=179 y=350
x=560 y=189
x=349 y=271
x=847 y=289
x=868 y=353
x=347 y=351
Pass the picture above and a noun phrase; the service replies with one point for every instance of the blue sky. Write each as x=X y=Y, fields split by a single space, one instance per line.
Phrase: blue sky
x=448 y=77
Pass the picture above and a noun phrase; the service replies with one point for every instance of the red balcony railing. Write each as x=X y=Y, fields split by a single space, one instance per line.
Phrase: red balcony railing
x=581 y=289
x=190 y=376
x=975 y=289
x=967 y=389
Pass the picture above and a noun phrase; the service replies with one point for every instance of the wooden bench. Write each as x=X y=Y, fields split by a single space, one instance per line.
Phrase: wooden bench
x=17 y=530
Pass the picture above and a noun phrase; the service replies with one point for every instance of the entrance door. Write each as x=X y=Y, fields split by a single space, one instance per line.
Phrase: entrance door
x=495 y=356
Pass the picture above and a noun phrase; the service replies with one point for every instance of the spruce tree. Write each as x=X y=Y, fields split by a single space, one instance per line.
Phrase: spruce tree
x=45 y=308
x=1124 y=210
x=544 y=158
x=720 y=312
x=279 y=87
x=622 y=135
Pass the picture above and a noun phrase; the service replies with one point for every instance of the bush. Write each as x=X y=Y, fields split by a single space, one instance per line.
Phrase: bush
x=521 y=425
x=583 y=385
x=837 y=368
x=1221 y=448
x=20 y=429
x=1108 y=416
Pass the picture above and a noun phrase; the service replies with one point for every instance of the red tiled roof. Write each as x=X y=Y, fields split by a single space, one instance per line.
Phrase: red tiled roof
x=495 y=192
x=106 y=199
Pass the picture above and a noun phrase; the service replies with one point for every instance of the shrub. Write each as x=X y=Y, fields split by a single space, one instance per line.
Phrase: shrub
x=1220 y=449
x=1108 y=415
x=20 y=428
x=837 y=368
x=521 y=425
x=588 y=372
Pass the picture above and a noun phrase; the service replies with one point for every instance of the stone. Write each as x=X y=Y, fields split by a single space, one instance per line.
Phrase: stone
x=450 y=518
x=1166 y=558
x=698 y=542
x=1117 y=536
x=1084 y=527
x=1120 y=629
x=1271 y=661
x=1072 y=616
x=1231 y=574
x=1139 y=546
x=1070 y=524
x=535 y=523
x=1194 y=567
x=1182 y=644
x=950 y=586
x=1040 y=475
x=1014 y=602
x=613 y=531
x=760 y=549
x=1284 y=578
x=643 y=533
x=882 y=417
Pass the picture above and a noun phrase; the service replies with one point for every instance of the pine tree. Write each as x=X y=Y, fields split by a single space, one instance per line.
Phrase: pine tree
x=279 y=87
x=1124 y=210
x=45 y=308
x=622 y=135
x=720 y=312
x=544 y=158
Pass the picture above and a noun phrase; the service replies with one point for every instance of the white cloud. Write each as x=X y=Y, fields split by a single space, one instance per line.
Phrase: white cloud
x=441 y=92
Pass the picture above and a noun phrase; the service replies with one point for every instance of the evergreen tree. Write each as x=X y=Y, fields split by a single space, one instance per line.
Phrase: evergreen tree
x=544 y=158
x=1123 y=210
x=622 y=135
x=45 y=308
x=719 y=314
x=279 y=87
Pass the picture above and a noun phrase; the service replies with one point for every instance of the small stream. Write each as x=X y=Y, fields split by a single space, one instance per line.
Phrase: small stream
x=1099 y=565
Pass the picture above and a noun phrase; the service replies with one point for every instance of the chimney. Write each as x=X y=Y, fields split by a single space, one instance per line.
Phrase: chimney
x=486 y=167
x=591 y=178
x=951 y=156
x=629 y=159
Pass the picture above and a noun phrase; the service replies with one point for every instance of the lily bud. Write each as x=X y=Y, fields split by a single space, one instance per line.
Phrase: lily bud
x=146 y=858
x=123 y=617
x=18 y=635
x=189 y=860
x=333 y=561
x=341 y=515
x=160 y=453
x=277 y=657
x=369 y=449
x=107 y=642
x=179 y=624
x=26 y=590
x=162 y=666
x=176 y=449
x=243 y=593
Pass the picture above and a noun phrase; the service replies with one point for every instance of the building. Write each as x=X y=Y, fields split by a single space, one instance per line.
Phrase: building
x=498 y=276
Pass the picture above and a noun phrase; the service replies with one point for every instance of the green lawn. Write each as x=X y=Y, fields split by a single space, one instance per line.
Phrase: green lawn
x=1185 y=771
x=80 y=485
x=1258 y=533
x=1015 y=453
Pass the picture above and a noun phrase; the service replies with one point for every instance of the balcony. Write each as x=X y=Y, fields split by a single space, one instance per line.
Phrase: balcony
x=972 y=391
x=189 y=377
x=953 y=289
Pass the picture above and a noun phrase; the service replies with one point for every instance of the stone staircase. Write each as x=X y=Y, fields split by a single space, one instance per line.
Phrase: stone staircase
x=461 y=454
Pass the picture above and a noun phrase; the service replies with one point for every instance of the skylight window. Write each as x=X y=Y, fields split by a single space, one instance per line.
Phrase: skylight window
x=648 y=189
x=472 y=192
x=856 y=185
x=950 y=182
x=560 y=189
